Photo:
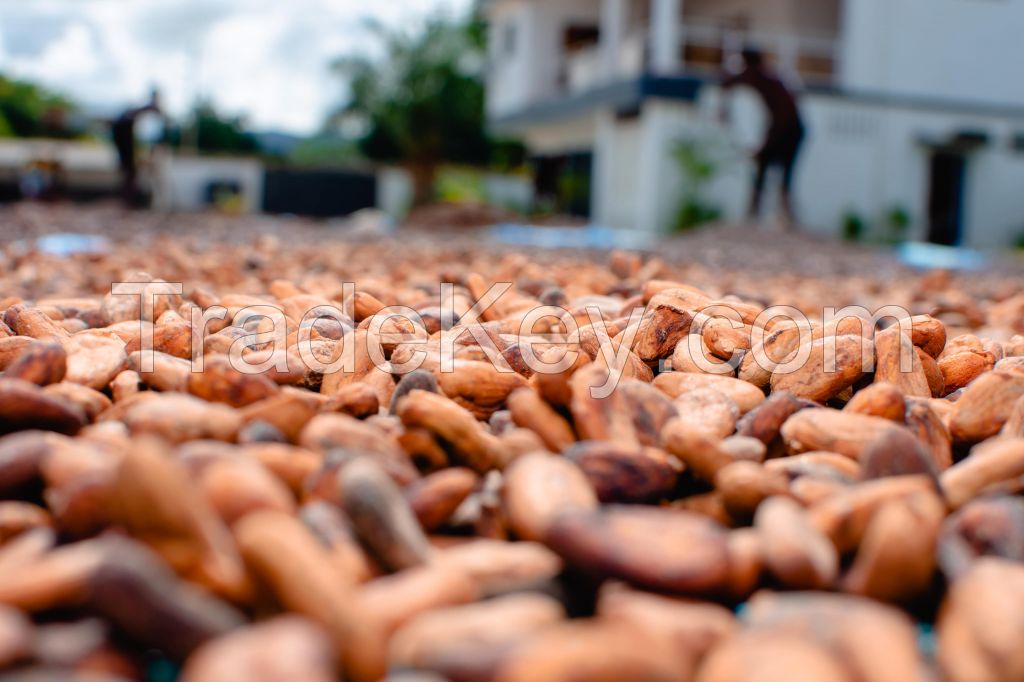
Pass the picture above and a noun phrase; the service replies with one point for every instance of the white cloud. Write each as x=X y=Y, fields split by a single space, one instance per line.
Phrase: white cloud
x=264 y=59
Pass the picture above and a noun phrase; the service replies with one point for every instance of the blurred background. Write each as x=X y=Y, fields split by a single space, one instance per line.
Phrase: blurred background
x=607 y=113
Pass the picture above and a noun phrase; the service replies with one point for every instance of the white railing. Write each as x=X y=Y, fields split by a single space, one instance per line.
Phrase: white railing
x=711 y=46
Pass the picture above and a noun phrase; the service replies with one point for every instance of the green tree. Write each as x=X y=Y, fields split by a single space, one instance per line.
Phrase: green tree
x=213 y=133
x=28 y=110
x=423 y=103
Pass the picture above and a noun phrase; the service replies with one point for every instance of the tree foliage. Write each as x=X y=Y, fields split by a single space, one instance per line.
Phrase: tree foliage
x=28 y=110
x=212 y=133
x=422 y=103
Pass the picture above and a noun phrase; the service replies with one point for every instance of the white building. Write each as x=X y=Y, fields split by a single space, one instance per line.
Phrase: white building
x=911 y=105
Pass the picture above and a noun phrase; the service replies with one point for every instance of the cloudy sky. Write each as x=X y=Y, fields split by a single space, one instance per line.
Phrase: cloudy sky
x=264 y=59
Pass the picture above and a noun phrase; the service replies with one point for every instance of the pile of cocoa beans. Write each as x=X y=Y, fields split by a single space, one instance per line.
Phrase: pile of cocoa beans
x=165 y=512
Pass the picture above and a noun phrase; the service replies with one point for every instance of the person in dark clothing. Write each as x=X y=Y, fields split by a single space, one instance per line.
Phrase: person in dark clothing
x=123 y=132
x=785 y=132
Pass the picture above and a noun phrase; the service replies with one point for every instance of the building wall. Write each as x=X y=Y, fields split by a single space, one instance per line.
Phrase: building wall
x=527 y=55
x=861 y=157
x=951 y=49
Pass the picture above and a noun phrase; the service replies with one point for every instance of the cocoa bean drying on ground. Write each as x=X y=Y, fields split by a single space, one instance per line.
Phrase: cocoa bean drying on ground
x=727 y=514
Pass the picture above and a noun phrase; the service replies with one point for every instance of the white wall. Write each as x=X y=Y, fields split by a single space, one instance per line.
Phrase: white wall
x=862 y=157
x=950 y=49
x=179 y=183
x=534 y=69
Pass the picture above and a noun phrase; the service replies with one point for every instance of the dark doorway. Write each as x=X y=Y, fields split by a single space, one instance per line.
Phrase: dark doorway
x=562 y=183
x=945 y=198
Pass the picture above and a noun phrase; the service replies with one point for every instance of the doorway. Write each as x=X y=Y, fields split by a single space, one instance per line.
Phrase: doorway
x=946 y=197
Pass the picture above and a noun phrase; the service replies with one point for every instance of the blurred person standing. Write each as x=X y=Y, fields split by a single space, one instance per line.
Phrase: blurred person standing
x=123 y=132
x=784 y=136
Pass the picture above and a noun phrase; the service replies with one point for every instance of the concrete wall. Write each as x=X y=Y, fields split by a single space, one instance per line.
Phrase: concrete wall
x=529 y=66
x=861 y=157
x=180 y=183
x=951 y=49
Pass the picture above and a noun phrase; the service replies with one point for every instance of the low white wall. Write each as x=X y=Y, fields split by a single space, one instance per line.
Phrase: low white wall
x=862 y=157
x=180 y=183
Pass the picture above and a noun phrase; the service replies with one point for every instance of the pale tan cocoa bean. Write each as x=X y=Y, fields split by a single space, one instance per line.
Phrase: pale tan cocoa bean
x=725 y=340
x=381 y=515
x=42 y=363
x=692 y=355
x=435 y=497
x=590 y=650
x=531 y=411
x=771 y=657
x=832 y=364
x=34 y=322
x=92 y=402
x=236 y=487
x=985 y=406
x=178 y=418
x=393 y=600
x=538 y=488
x=845 y=516
x=690 y=627
x=339 y=433
x=821 y=464
x=221 y=382
x=356 y=400
x=334 y=531
x=897 y=363
x=298 y=571
x=936 y=382
x=288 y=412
x=988 y=464
x=168 y=372
x=153 y=499
x=873 y=641
x=666 y=550
x=746 y=562
x=703 y=455
x=452 y=424
x=283 y=648
x=11 y=347
x=794 y=551
x=479 y=386
x=470 y=641
x=59 y=578
x=707 y=410
x=495 y=566
x=992 y=526
x=771 y=351
x=676 y=384
x=896 y=558
x=745 y=484
x=979 y=628
x=667 y=320
x=94 y=360
x=554 y=386
x=880 y=399
x=125 y=384
x=825 y=429
x=924 y=422
x=1014 y=426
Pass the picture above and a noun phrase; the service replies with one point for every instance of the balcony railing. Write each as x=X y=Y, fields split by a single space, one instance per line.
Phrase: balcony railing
x=708 y=49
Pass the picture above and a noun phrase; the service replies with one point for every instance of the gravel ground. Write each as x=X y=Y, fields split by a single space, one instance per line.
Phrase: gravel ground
x=722 y=250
